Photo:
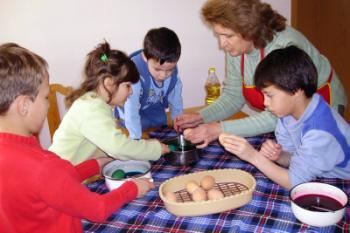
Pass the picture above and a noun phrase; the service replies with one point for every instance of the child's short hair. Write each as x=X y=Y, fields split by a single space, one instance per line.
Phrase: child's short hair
x=162 y=44
x=103 y=62
x=21 y=73
x=289 y=69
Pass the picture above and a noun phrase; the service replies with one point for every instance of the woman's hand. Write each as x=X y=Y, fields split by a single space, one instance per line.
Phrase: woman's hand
x=238 y=146
x=187 y=120
x=271 y=150
x=203 y=134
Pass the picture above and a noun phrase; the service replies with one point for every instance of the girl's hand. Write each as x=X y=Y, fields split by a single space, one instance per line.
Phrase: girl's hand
x=238 y=146
x=271 y=150
x=143 y=186
x=103 y=161
x=165 y=148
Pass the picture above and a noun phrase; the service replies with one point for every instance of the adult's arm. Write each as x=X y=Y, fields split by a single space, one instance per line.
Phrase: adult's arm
x=231 y=101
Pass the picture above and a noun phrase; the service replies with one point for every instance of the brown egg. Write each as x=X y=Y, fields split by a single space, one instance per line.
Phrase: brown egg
x=215 y=194
x=186 y=132
x=170 y=196
x=207 y=182
x=191 y=186
x=199 y=195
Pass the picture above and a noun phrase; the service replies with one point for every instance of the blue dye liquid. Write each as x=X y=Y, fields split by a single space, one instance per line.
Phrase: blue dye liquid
x=133 y=173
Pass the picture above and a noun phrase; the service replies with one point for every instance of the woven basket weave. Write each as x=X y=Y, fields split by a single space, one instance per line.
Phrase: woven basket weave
x=236 y=185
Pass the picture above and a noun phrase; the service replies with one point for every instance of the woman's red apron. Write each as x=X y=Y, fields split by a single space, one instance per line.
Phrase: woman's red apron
x=256 y=99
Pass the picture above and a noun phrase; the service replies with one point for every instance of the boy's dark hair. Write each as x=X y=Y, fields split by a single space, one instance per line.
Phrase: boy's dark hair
x=21 y=73
x=289 y=69
x=103 y=62
x=162 y=44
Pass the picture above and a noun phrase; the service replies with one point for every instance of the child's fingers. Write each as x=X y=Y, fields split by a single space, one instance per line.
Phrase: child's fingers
x=231 y=138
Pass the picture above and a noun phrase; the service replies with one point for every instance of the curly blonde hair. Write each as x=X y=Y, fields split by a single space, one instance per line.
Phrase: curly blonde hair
x=253 y=20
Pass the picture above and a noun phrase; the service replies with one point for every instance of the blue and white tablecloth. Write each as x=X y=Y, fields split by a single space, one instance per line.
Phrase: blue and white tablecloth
x=269 y=210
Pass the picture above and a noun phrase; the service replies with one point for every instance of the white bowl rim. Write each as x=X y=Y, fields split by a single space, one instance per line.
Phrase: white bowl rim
x=319 y=183
x=126 y=162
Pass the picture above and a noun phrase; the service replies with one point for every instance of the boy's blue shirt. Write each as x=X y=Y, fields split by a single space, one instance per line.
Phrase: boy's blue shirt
x=146 y=106
x=319 y=143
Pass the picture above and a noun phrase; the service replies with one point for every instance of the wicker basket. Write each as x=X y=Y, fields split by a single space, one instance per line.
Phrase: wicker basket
x=236 y=185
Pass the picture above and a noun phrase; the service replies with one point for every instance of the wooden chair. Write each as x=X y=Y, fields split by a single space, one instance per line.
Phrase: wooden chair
x=53 y=115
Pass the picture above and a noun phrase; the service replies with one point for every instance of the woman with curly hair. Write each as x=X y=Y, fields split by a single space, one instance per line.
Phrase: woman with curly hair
x=248 y=30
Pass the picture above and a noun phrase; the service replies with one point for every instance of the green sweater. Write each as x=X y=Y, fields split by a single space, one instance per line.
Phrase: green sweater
x=232 y=100
x=89 y=125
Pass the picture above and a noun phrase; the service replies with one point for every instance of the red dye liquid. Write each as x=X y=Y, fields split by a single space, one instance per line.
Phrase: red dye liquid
x=316 y=202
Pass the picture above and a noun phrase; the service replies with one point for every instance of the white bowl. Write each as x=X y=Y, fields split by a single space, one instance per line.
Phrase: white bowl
x=317 y=215
x=143 y=167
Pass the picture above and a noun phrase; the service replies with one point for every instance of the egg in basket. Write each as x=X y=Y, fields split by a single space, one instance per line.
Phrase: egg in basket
x=207 y=192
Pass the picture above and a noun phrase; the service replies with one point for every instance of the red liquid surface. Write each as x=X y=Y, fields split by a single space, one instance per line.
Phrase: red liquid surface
x=316 y=202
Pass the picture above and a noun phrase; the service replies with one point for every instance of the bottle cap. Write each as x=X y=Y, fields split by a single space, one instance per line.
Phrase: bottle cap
x=211 y=69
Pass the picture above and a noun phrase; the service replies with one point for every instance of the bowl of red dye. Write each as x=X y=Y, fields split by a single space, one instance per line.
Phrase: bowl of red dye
x=318 y=204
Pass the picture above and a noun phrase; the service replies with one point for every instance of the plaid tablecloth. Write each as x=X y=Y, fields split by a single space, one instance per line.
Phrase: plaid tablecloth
x=269 y=210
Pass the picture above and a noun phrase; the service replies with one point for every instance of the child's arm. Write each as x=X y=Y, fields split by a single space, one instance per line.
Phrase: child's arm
x=60 y=187
x=271 y=150
x=91 y=167
x=241 y=147
x=320 y=154
x=132 y=117
x=284 y=159
x=175 y=100
x=99 y=128
x=87 y=168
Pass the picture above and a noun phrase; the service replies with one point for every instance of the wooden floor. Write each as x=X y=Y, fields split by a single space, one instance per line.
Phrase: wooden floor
x=186 y=110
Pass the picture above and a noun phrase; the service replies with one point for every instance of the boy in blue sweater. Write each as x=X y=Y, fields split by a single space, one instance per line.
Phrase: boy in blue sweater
x=159 y=87
x=312 y=139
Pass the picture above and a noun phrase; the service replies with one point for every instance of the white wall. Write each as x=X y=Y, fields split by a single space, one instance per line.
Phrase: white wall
x=64 y=31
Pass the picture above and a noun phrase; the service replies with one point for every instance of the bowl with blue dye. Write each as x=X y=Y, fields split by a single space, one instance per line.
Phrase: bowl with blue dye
x=117 y=172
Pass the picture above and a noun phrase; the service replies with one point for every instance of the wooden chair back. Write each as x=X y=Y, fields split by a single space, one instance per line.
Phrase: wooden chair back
x=53 y=115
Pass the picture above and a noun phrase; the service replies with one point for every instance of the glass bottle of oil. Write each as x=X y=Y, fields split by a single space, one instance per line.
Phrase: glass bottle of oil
x=212 y=87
